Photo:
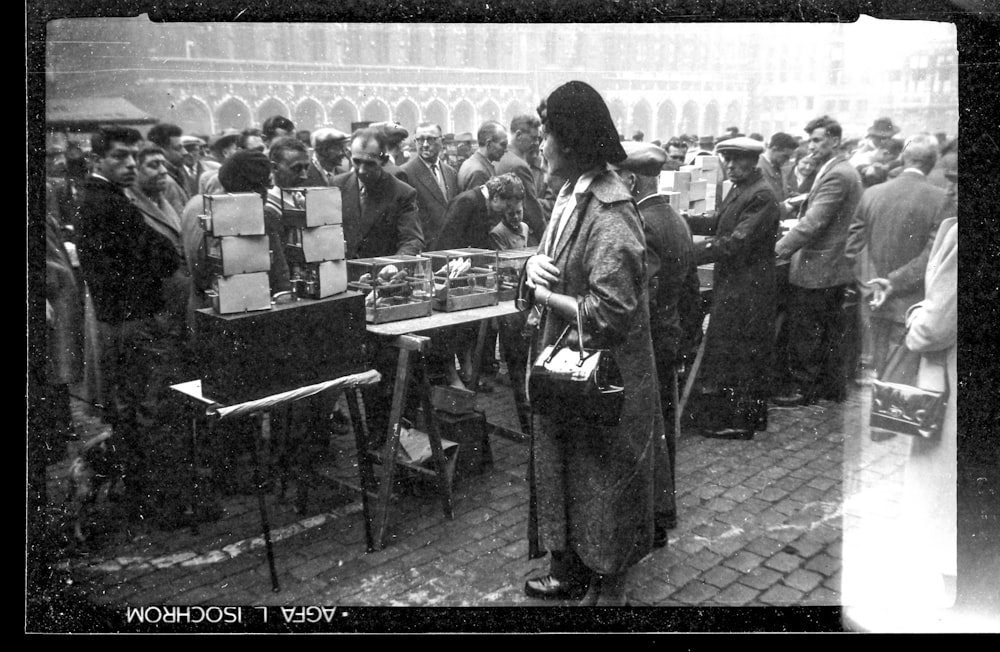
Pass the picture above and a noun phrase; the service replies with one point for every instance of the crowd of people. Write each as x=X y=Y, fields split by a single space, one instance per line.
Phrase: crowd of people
x=820 y=252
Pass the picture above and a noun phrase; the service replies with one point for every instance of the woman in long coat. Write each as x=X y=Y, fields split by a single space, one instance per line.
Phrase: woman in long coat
x=594 y=484
x=734 y=379
x=929 y=491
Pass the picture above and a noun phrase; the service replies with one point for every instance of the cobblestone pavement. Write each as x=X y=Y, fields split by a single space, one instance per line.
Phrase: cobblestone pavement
x=760 y=525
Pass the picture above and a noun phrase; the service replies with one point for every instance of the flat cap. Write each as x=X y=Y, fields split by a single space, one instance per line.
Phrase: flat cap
x=328 y=133
x=216 y=140
x=643 y=158
x=191 y=141
x=464 y=137
x=740 y=144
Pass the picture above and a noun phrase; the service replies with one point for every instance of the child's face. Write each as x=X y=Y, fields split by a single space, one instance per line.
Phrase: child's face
x=511 y=211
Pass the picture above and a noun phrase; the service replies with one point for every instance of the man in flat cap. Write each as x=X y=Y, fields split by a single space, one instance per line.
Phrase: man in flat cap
x=393 y=135
x=703 y=148
x=675 y=313
x=822 y=302
x=330 y=156
x=478 y=168
x=730 y=400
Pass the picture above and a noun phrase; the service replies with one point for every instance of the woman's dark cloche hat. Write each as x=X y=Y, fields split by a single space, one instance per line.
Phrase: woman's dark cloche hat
x=245 y=170
x=577 y=108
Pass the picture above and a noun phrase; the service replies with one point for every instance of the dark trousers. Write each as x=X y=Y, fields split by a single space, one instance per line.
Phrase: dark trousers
x=821 y=346
x=514 y=345
x=140 y=359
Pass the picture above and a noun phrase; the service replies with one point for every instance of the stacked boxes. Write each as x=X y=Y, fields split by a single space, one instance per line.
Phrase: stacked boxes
x=237 y=252
x=314 y=241
x=694 y=189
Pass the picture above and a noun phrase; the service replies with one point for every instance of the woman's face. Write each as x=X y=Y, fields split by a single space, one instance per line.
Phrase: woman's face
x=555 y=160
x=806 y=166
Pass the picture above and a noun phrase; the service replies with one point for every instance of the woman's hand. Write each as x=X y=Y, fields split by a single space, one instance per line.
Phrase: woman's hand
x=541 y=271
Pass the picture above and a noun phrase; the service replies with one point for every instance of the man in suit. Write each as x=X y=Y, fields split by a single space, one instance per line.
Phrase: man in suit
x=674 y=306
x=896 y=222
x=169 y=138
x=773 y=160
x=524 y=142
x=380 y=211
x=125 y=263
x=821 y=275
x=435 y=181
x=330 y=156
x=147 y=193
x=478 y=168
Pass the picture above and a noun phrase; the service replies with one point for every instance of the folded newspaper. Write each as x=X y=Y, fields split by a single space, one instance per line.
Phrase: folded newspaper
x=415 y=446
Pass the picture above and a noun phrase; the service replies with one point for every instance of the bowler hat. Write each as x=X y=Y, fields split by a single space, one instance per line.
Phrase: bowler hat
x=883 y=128
x=643 y=158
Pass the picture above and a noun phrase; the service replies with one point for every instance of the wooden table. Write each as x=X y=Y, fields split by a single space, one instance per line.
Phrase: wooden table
x=410 y=338
x=216 y=411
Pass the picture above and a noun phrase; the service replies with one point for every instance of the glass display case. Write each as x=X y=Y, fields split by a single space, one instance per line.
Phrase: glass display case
x=309 y=207
x=395 y=287
x=464 y=278
x=509 y=265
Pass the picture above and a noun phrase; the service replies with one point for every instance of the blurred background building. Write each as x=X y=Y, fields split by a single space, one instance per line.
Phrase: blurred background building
x=663 y=79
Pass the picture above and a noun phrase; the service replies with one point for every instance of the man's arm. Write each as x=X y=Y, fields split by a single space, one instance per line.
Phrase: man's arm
x=409 y=234
x=857 y=232
x=821 y=211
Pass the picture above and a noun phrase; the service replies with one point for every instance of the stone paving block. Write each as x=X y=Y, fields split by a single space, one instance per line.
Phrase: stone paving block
x=834 y=582
x=743 y=561
x=704 y=559
x=789 y=483
x=803 y=580
x=761 y=578
x=736 y=595
x=651 y=591
x=788 y=506
x=727 y=546
x=772 y=494
x=721 y=504
x=783 y=562
x=709 y=491
x=486 y=529
x=719 y=576
x=737 y=517
x=311 y=568
x=764 y=546
x=680 y=574
x=822 y=597
x=823 y=483
x=781 y=595
x=823 y=564
x=806 y=546
x=695 y=592
x=739 y=493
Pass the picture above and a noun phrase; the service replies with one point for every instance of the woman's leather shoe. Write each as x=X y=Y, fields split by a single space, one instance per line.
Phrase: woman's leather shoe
x=549 y=588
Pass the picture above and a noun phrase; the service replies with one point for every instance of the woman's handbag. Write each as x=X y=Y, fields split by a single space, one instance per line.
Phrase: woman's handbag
x=910 y=395
x=584 y=386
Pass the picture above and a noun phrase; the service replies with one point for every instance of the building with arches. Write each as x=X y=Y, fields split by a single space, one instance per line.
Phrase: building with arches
x=663 y=79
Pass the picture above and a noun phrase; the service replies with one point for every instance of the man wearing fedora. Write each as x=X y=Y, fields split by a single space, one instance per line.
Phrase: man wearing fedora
x=881 y=130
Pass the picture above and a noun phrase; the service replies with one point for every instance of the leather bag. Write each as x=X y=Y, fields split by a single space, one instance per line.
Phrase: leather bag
x=583 y=386
x=910 y=395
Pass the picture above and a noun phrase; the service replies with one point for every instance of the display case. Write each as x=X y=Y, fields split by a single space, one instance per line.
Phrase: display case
x=240 y=293
x=509 y=265
x=232 y=214
x=314 y=244
x=229 y=255
x=309 y=207
x=464 y=278
x=395 y=287
x=319 y=280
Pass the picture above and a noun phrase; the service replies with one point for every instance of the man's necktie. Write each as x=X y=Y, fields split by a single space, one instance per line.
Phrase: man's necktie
x=440 y=179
